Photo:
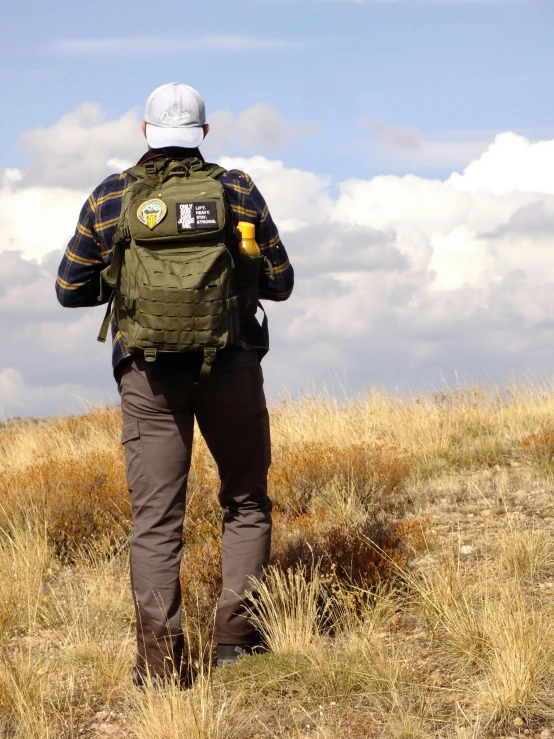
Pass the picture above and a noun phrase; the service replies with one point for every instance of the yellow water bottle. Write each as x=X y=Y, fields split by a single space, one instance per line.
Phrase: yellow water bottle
x=248 y=246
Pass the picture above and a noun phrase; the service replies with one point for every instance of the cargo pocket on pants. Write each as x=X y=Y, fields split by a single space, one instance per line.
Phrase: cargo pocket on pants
x=263 y=435
x=134 y=462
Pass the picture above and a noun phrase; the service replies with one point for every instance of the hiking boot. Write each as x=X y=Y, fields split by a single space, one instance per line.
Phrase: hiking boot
x=227 y=653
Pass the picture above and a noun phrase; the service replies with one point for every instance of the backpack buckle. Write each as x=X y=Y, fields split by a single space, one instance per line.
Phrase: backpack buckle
x=122 y=234
x=150 y=355
x=210 y=353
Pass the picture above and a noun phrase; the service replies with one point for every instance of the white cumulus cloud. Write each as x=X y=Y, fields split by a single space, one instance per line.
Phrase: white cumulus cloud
x=405 y=276
x=259 y=127
x=79 y=150
x=513 y=164
x=399 y=279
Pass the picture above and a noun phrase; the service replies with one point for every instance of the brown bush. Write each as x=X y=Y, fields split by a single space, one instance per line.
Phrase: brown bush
x=80 y=500
x=368 y=470
x=200 y=585
x=362 y=554
x=202 y=494
x=201 y=570
x=539 y=447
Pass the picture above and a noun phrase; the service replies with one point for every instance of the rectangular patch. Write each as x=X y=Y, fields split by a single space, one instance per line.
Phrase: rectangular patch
x=194 y=216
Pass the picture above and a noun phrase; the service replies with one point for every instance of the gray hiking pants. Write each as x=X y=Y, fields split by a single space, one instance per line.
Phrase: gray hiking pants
x=159 y=405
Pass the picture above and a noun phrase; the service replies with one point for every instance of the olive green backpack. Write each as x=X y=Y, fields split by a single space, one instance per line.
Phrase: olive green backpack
x=179 y=283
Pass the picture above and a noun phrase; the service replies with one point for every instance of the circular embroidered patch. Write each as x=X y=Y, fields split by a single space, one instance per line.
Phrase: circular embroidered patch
x=152 y=212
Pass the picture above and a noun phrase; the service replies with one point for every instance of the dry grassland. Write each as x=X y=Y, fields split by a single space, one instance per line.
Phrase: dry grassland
x=411 y=593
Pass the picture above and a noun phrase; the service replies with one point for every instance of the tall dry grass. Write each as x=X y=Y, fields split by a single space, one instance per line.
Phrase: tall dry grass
x=411 y=590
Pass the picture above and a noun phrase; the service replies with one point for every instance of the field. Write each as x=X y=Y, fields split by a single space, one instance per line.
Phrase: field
x=411 y=592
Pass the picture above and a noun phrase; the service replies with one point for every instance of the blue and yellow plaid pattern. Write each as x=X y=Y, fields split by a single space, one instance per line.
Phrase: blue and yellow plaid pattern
x=90 y=249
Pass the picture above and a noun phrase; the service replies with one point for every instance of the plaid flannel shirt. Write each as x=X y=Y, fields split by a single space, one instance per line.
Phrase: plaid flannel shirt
x=90 y=249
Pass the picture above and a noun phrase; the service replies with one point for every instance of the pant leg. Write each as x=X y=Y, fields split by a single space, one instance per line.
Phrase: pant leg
x=232 y=415
x=157 y=436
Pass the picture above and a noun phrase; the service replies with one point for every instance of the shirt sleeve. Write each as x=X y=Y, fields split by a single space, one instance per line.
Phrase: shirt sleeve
x=277 y=283
x=78 y=281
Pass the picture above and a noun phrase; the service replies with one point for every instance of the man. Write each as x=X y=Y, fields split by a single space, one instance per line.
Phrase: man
x=160 y=400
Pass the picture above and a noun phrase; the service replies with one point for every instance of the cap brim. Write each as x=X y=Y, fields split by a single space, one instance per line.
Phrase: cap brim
x=159 y=137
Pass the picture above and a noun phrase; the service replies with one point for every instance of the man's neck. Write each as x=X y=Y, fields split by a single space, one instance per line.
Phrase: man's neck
x=175 y=152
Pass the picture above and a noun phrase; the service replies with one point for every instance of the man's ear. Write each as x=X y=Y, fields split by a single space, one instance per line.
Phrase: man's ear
x=143 y=126
x=206 y=128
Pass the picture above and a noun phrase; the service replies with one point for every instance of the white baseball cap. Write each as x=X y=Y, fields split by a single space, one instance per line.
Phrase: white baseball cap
x=174 y=115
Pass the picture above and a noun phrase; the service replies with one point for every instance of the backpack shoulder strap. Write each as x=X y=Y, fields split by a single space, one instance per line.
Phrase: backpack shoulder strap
x=137 y=171
x=154 y=167
x=218 y=172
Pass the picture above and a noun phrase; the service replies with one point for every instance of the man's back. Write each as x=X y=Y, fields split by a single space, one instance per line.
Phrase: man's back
x=90 y=250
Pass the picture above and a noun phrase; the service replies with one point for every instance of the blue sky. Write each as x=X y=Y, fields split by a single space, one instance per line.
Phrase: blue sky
x=454 y=71
x=405 y=149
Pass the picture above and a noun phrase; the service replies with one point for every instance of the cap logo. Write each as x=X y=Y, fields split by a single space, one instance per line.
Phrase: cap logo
x=152 y=212
x=175 y=119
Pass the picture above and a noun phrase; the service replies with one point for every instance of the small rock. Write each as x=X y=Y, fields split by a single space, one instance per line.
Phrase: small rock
x=466 y=549
x=546 y=733
x=518 y=722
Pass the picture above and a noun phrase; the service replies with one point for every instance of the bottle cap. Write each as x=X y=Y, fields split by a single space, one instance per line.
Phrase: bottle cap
x=248 y=230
